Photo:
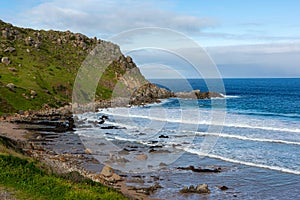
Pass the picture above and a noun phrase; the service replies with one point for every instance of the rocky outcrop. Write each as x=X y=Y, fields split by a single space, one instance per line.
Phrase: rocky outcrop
x=197 y=94
x=141 y=157
x=47 y=119
x=200 y=189
x=147 y=190
x=223 y=187
x=149 y=93
x=109 y=174
x=200 y=170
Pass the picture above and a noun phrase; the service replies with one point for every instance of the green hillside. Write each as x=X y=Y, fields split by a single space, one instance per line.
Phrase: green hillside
x=39 y=67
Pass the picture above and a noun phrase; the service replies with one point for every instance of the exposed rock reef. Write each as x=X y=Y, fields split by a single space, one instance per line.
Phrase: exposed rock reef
x=200 y=189
x=196 y=94
x=200 y=170
x=149 y=93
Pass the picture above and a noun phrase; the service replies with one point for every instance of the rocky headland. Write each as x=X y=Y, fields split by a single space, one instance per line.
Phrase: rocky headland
x=37 y=72
x=38 y=68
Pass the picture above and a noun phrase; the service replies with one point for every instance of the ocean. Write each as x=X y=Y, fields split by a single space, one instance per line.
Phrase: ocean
x=252 y=134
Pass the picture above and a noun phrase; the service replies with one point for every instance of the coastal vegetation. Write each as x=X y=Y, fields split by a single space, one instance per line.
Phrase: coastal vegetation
x=39 y=67
x=29 y=179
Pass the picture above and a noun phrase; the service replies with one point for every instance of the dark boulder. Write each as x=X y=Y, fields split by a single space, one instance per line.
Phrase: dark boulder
x=223 y=187
x=163 y=136
x=200 y=189
x=200 y=170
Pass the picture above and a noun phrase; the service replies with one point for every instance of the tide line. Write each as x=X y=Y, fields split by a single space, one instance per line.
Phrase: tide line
x=297 y=130
x=239 y=137
x=276 y=168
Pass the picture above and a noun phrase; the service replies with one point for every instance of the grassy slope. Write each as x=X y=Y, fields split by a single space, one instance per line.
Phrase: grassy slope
x=49 y=69
x=27 y=180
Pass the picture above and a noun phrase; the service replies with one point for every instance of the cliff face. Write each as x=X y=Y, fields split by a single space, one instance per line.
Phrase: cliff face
x=39 y=67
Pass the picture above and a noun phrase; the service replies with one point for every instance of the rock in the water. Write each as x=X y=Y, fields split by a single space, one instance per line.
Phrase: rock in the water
x=163 y=136
x=191 y=188
x=185 y=189
x=202 y=188
x=147 y=190
x=196 y=94
x=162 y=164
x=141 y=157
x=223 y=187
x=5 y=60
x=149 y=93
x=104 y=117
x=159 y=151
x=192 y=168
x=107 y=171
x=88 y=151
x=209 y=95
x=188 y=95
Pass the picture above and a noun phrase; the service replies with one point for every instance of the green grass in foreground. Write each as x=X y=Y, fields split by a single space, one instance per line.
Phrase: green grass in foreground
x=31 y=182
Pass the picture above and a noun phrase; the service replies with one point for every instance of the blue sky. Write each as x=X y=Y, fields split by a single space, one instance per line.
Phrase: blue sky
x=244 y=38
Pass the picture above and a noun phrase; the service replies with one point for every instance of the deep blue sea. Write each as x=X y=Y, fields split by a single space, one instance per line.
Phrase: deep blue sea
x=253 y=133
x=262 y=120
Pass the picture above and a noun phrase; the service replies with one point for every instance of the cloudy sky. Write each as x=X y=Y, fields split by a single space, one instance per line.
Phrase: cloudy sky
x=244 y=38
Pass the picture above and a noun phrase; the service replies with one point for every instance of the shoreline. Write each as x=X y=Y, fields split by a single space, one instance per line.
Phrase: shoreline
x=33 y=132
x=32 y=145
x=74 y=156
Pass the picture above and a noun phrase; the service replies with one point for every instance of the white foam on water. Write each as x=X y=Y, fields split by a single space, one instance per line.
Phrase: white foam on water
x=121 y=125
x=204 y=122
x=224 y=135
x=230 y=96
x=281 y=169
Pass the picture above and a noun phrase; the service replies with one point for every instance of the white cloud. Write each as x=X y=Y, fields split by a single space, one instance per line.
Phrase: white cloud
x=225 y=54
x=99 y=17
x=265 y=60
x=105 y=18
